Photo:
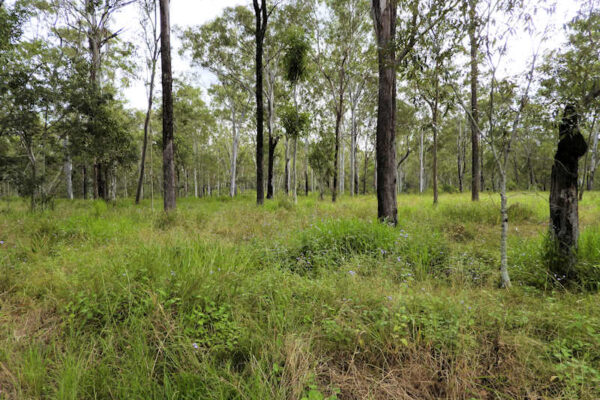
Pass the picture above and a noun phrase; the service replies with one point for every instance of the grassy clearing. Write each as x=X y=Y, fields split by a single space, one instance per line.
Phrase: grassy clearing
x=224 y=300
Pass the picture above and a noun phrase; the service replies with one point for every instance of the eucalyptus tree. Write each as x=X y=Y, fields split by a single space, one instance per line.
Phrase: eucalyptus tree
x=336 y=23
x=431 y=68
x=320 y=159
x=194 y=122
x=262 y=19
x=93 y=19
x=233 y=106
x=361 y=77
x=416 y=19
x=505 y=105
x=225 y=48
x=474 y=41
x=295 y=122
x=151 y=39
x=169 y=185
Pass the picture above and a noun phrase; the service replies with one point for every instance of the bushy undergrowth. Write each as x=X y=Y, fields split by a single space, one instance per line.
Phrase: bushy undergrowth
x=224 y=300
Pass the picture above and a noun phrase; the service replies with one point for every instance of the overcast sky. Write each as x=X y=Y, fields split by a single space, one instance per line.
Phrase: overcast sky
x=184 y=13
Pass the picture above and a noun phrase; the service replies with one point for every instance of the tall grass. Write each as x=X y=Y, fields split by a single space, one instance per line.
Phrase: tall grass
x=225 y=300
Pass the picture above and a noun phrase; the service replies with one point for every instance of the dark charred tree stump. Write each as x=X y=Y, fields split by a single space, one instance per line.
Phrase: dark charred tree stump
x=564 y=214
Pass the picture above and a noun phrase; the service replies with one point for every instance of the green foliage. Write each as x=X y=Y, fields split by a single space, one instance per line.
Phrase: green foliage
x=295 y=60
x=321 y=157
x=294 y=122
x=210 y=326
x=328 y=243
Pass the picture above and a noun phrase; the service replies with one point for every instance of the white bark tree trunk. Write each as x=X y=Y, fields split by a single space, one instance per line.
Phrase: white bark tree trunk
x=294 y=182
x=504 y=235
x=422 y=163
x=234 y=154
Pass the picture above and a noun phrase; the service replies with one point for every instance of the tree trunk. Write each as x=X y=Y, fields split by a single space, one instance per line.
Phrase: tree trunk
x=196 y=187
x=336 y=164
x=594 y=157
x=342 y=166
x=435 y=141
x=306 y=168
x=459 y=154
x=234 y=154
x=272 y=146
x=384 y=14
x=287 y=166
x=138 y=193
x=422 y=163
x=564 y=213
x=474 y=41
x=261 y=27
x=272 y=140
x=352 y=151
x=353 y=155
x=167 y=94
x=112 y=173
x=294 y=183
x=365 y=174
x=504 y=236
x=68 y=169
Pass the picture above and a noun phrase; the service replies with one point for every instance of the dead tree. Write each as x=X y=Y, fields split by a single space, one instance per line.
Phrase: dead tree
x=564 y=213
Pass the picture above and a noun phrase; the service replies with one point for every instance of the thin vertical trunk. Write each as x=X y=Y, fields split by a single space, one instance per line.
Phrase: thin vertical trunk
x=306 y=167
x=365 y=174
x=113 y=183
x=234 y=154
x=474 y=41
x=272 y=140
x=594 y=156
x=342 y=167
x=294 y=183
x=422 y=162
x=272 y=146
x=353 y=155
x=138 y=194
x=287 y=166
x=167 y=92
x=435 y=141
x=196 y=188
x=504 y=235
x=94 y=49
x=459 y=154
x=68 y=169
x=336 y=164
x=352 y=152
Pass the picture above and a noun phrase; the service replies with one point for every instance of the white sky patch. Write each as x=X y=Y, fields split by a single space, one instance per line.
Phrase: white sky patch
x=184 y=14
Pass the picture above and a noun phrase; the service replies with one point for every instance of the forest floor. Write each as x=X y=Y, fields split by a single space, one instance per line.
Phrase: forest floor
x=225 y=300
